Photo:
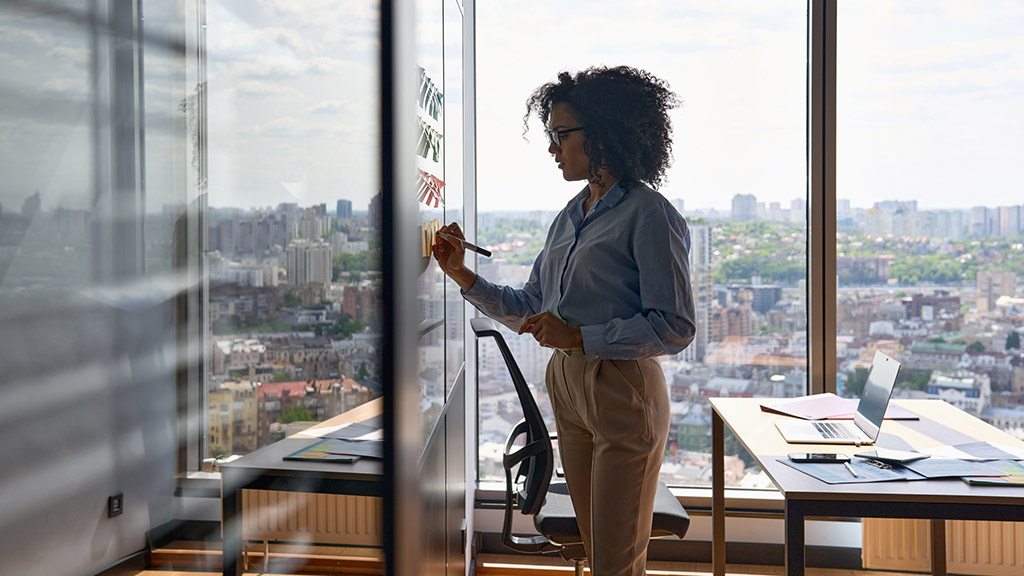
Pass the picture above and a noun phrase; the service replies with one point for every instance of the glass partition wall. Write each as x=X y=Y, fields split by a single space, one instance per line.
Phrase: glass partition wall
x=101 y=203
x=294 y=220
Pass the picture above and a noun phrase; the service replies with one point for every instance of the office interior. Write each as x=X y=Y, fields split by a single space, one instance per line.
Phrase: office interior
x=213 y=219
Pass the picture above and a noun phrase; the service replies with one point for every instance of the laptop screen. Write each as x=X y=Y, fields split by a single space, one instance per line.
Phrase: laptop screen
x=875 y=399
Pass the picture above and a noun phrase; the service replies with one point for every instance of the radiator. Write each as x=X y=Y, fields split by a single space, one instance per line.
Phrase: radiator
x=311 y=518
x=984 y=548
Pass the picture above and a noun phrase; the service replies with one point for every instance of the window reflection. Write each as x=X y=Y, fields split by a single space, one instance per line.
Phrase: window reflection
x=293 y=226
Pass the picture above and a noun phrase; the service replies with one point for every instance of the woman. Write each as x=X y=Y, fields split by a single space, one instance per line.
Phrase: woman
x=611 y=290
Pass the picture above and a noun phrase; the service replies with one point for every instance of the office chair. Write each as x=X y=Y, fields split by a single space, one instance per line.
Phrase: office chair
x=531 y=488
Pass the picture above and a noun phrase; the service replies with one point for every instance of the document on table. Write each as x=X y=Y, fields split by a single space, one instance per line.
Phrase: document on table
x=367 y=448
x=977 y=451
x=827 y=406
x=333 y=449
x=321 y=452
x=356 y=432
x=1013 y=475
x=949 y=468
x=365 y=430
x=839 y=474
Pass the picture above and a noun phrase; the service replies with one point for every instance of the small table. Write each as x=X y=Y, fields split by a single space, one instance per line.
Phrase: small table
x=937 y=500
x=266 y=469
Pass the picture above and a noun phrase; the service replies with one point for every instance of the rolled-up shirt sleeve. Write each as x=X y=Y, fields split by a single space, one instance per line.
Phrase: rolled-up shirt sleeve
x=666 y=323
x=508 y=305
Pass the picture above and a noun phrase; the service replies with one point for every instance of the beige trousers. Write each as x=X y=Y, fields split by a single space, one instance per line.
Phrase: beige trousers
x=612 y=418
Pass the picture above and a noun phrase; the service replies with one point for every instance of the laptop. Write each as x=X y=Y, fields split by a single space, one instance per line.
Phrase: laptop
x=866 y=422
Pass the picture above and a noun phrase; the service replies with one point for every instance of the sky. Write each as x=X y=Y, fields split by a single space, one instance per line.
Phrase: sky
x=929 y=96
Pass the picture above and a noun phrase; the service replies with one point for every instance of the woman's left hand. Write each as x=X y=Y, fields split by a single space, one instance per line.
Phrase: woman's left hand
x=551 y=332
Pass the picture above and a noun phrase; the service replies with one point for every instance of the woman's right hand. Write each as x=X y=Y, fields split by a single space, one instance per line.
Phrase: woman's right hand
x=450 y=255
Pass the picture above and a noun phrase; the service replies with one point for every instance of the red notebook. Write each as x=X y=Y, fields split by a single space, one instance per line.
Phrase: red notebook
x=827 y=406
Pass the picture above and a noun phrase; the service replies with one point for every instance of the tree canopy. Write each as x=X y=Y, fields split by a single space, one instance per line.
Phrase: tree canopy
x=295 y=414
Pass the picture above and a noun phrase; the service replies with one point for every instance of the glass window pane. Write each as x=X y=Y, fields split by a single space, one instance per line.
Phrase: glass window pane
x=739 y=178
x=294 y=219
x=930 y=250
x=431 y=162
x=454 y=190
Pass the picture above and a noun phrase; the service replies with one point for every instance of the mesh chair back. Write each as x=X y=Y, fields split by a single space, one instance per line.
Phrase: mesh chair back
x=537 y=464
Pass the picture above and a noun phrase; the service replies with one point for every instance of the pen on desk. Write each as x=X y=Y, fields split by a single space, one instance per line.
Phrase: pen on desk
x=850 y=468
x=465 y=244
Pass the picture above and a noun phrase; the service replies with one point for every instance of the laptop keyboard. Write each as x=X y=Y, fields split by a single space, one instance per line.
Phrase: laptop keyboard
x=833 y=430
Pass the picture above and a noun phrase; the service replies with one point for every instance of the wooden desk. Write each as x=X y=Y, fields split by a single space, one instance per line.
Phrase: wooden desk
x=805 y=497
x=266 y=469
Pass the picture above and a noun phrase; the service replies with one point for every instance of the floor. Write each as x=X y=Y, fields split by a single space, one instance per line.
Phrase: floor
x=494 y=565
x=733 y=570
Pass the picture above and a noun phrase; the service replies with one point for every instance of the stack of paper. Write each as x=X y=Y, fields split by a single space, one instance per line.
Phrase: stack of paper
x=827 y=406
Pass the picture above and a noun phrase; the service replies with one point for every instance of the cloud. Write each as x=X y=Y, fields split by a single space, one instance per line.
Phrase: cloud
x=336 y=17
x=296 y=42
x=286 y=127
x=261 y=89
x=70 y=56
x=281 y=66
x=13 y=34
x=330 y=107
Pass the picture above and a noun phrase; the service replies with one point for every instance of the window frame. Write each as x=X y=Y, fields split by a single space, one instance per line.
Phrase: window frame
x=821 y=257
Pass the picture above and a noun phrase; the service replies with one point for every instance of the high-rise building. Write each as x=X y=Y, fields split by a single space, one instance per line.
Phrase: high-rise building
x=307 y=262
x=798 y=210
x=1009 y=220
x=312 y=226
x=985 y=222
x=843 y=209
x=977 y=225
x=344 y=210
x=764 y=297
x=744 y=207
x=30 y=206
x=374 y=211
x=991 y=285
x=948 y=224
x=700 y=282
x=678 y=203
x=732 y=321
x=232 y=418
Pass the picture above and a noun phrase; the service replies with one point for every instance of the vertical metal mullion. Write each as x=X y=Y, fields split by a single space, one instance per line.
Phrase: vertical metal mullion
x=400 y=237
x=469 y=217
x=821 y=197
x=469 y=206
x=201 y=235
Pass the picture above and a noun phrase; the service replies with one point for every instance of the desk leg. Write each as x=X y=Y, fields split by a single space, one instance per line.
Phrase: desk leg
x=717 y=495
x=231 y=529
x=794 y=538
x=939 y=547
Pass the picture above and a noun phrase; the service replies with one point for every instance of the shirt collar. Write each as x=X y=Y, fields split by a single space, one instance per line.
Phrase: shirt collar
x=610 y=199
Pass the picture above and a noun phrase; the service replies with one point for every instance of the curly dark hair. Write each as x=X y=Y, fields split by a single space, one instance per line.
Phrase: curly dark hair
x=624 y=112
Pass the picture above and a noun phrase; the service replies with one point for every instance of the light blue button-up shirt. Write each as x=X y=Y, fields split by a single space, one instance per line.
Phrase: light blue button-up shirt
x=621 y=274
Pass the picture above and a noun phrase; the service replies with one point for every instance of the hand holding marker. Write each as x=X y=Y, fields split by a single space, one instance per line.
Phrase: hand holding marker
x=466 y=245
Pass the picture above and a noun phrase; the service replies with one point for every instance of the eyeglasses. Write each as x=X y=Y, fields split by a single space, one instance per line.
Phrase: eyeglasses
x=555 y=136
